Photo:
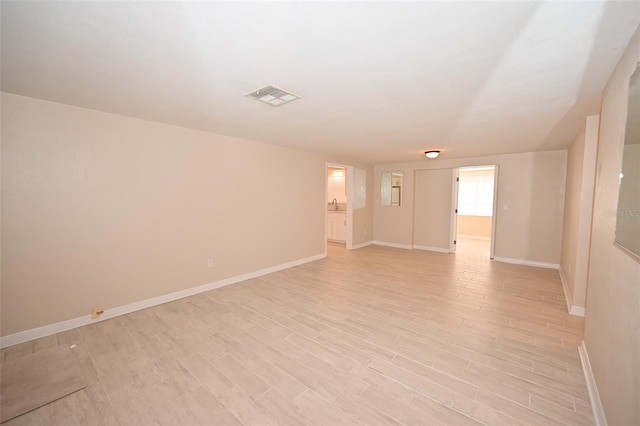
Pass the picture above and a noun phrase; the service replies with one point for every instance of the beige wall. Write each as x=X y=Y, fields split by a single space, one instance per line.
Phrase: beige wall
x=578 y=209
x=530 y=202
x=612 y=326
x=474 y=226
x=101 y=209
x=627 y=228
x=432 y=209
x=363 y=222
x=393 y=224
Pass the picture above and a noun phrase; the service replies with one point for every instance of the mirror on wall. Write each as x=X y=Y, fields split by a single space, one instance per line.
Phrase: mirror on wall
x=628 y=212
x=391 y=189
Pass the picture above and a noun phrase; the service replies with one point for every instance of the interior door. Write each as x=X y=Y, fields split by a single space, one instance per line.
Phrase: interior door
x=434 y=204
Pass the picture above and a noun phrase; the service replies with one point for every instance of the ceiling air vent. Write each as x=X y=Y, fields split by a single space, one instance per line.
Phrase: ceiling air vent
x=272 y=95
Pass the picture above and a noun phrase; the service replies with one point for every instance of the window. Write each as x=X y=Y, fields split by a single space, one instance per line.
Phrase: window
x=475 y=194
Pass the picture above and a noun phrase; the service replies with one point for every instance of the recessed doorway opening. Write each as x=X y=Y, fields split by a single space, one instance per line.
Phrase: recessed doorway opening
x=336 y=204
x=475 y=218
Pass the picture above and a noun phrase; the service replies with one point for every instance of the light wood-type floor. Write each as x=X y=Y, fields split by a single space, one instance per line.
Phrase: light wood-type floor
x=366 y=337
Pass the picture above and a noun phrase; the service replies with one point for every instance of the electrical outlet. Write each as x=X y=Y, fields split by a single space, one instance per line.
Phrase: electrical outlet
x=96 y=312
x=210 y=263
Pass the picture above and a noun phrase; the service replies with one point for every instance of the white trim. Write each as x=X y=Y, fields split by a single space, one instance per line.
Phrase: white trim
x=36 y=333
x=349 y=189
x=394 y=245
x=524 y=262
x=453 y=230
x=596 y=405
x=361 y=245
x=429 y=248
x=473 y=237
x=578 y=311
x=572 y=309
x=478 y=168
x=325 y=206
x=494 y=215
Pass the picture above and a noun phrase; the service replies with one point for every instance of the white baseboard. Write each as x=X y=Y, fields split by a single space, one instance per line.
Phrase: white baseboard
x=394 y=245
x=429 y=248
x=365 y=244
x=473 y=237
x=596 y=405
x=572 y=309
x=527 y=262
x=332 y=240
x=47 y=330
x=578 y=311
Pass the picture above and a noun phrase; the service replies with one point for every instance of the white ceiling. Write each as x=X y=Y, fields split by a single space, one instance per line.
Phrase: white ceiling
x=380 y=81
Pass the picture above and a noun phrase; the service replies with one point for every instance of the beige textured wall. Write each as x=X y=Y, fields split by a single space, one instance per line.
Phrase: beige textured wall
x=362 y=225
x=432 y=204
x=531 y=186
x=627 y=229
x=394 y=224
x=612 y=332
x=578 y=209
x=475 y=226
x=530 y=203
x=101 y=209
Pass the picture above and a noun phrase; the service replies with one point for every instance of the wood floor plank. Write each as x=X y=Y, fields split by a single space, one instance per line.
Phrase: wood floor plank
x=282 y=409
x=358 y=408
x=206 y=374
x=436 y=413
x=517 y=411
x=484 y=413
x=375 y=336
x=338 y=362
x=244 y=378
x=100 y=405
x=309 y=377
x=564 y=414
x=205 y=408
x=322 y=412
x=436 y=376
x=276 y=378
x=417 y=383
x=245 y=409
x=392 y=407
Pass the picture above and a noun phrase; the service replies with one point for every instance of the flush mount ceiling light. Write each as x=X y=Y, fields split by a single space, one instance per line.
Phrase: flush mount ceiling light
x=272 y=95
x=432 y=154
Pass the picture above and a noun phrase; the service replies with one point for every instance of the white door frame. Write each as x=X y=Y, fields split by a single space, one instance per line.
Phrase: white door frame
x=349 y=182
x=453 y=233
x=492 y=250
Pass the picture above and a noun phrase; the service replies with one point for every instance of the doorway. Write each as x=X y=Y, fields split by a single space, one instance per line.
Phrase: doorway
x=336 y=226
x=475 y=218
